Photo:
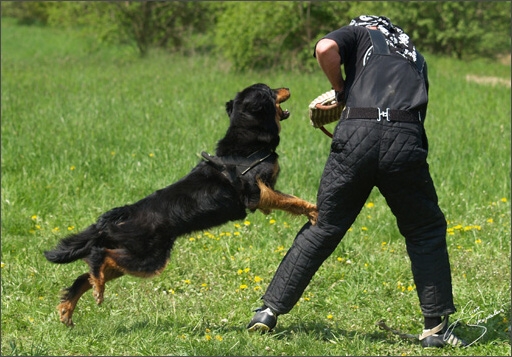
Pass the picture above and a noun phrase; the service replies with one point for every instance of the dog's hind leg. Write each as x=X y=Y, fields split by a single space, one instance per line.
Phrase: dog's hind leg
x=70 y=297
x=102 y=269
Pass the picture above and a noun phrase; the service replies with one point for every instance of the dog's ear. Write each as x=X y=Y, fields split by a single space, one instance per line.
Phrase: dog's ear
x=229 y=107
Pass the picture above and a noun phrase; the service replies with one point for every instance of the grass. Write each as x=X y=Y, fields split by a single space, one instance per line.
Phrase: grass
x=85 y=129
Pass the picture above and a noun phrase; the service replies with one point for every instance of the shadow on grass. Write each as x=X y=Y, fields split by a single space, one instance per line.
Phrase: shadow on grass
x=497 y=330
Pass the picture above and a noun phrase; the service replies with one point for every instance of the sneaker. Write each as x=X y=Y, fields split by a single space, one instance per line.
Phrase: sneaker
x=264 y=320
x=440 y=336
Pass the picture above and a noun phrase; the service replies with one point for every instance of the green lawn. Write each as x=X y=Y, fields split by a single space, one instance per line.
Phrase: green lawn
x=85 y=129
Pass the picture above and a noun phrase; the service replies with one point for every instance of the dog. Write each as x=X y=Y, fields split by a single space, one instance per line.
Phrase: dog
x=137 y=239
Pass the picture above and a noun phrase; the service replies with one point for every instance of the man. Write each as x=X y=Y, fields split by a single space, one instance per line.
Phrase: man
x=379 y=142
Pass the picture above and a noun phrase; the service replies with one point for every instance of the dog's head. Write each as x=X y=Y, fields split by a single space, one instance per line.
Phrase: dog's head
x=259 y=105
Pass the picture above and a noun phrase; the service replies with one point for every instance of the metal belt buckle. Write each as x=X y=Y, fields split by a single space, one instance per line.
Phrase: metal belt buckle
x=383 y=114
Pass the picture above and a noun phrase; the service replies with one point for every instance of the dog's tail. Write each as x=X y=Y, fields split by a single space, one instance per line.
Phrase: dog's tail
x=79 y=246
x=74 y=247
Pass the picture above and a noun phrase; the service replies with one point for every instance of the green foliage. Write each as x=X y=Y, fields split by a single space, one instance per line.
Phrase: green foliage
x=261 y=34
x=461 y=29
x=83 y=132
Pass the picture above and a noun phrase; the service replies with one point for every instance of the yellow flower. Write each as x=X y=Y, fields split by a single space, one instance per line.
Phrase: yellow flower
x=504 y=199
x=151 y=154
x=364 y=228
x=237 y=226
x=208 y=337
x=247 y=223
x=257 y=279
x=218 y=337
x=70 y=228
x=243 y=286
x=34 y=217
x=2 y=265
x=330 y=317
x=55 y=230
x=370 y=205
x=72 y=168
x=490 y=220
x=272 y=221
x=478 y=241
x=186 y=281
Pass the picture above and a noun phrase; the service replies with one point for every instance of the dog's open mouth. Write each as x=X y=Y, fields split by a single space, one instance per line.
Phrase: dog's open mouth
x=282 y=96
x=285 y=114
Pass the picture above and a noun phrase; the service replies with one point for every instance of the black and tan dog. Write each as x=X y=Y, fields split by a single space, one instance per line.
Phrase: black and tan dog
x=137 y=239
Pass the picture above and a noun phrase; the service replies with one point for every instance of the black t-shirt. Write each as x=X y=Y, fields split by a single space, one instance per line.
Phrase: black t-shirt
x=354 y=44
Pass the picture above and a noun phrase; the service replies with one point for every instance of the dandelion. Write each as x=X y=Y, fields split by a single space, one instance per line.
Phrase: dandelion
x=218 y=337
x=72 y=167
x=364 y=228
x=247 y=223
x=257 y=288
x=478 y=241
x=410 y=288
x=237 y=225
x=2 y=264
x=34 y=217
x=330 y=317
x=70 y=228
x=112 y=153
x=192 y=239
x=151 y=154
x=208 y=337
x=257 y=279
x=236 y=233
x=243 y=286
x=55 y=230
x=272 y=221
x=340 y=259
x=504 y=199
x=239 y=271
x=490 y=220
x=370 y=205
x=187 y=281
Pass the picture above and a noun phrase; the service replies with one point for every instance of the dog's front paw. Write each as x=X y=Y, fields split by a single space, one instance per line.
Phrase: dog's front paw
x=313 y=215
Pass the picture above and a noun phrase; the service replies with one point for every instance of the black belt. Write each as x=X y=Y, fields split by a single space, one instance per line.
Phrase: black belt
x=381 y=114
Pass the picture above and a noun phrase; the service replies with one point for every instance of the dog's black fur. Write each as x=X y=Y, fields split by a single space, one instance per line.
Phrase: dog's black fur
x=137 y=239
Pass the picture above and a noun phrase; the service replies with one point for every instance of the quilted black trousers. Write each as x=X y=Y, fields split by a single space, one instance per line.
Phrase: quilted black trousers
x=392 y=157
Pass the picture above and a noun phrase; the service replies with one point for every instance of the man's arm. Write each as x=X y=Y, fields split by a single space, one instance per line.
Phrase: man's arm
x=328 y=57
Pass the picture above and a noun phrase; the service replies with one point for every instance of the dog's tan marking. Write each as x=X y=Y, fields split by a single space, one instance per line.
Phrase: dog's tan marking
x=270 y=199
